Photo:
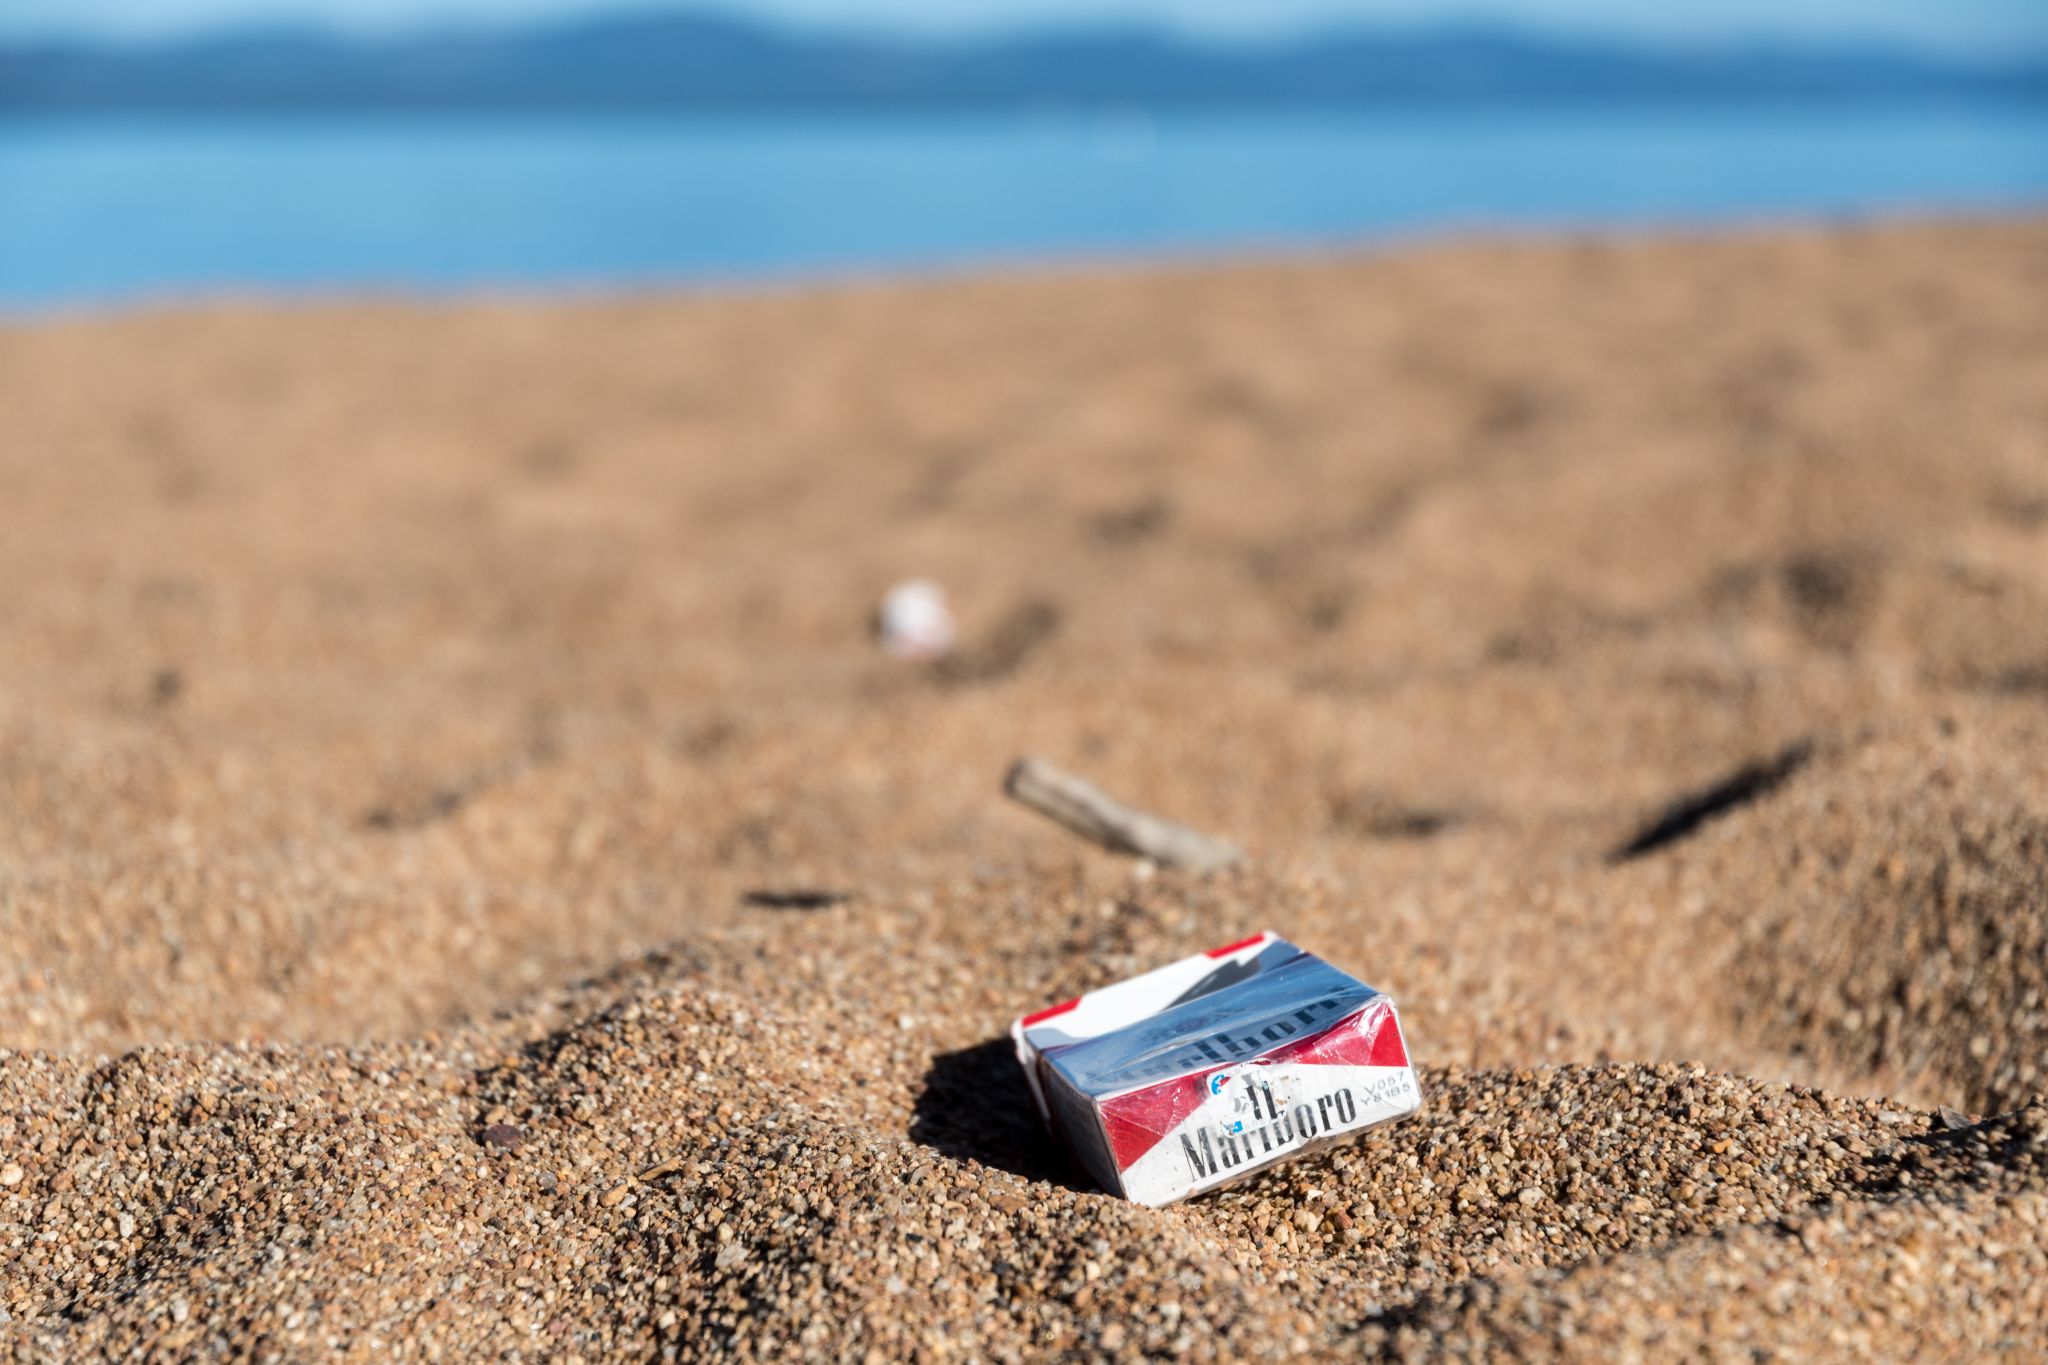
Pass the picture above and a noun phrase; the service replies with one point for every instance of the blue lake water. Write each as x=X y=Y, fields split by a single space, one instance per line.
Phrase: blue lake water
x=107 y=211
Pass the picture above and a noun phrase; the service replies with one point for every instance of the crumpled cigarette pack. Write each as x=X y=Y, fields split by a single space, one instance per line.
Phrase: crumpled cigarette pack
x=1210 y=1068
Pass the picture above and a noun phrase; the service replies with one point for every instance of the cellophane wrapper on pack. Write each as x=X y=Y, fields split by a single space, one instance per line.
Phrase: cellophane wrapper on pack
x=1208 y=1069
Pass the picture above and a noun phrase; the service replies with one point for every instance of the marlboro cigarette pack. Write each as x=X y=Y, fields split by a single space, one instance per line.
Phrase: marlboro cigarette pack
x=1210 y=1068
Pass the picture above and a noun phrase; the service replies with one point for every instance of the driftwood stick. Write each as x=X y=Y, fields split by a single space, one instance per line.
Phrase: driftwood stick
x=1088 y=812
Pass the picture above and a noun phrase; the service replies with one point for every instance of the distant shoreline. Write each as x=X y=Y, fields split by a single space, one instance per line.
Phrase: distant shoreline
x=702 y=62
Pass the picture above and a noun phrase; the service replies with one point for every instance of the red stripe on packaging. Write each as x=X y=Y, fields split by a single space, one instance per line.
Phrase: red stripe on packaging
x=1049 y=1012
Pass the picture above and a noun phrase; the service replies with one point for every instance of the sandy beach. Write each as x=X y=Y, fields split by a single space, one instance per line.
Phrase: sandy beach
x=471 y=887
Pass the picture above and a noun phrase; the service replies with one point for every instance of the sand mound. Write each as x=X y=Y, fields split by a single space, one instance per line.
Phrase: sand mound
x=685 y=1167
x=469 y=885
x=1907 y=936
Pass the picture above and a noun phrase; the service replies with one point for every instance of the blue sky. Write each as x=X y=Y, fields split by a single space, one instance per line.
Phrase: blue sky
x=1962 y=26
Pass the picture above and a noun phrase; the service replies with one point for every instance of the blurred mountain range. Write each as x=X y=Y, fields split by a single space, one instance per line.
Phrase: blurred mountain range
x=695 y=61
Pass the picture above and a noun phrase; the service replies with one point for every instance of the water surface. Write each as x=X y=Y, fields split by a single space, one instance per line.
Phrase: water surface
x=103 y=211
